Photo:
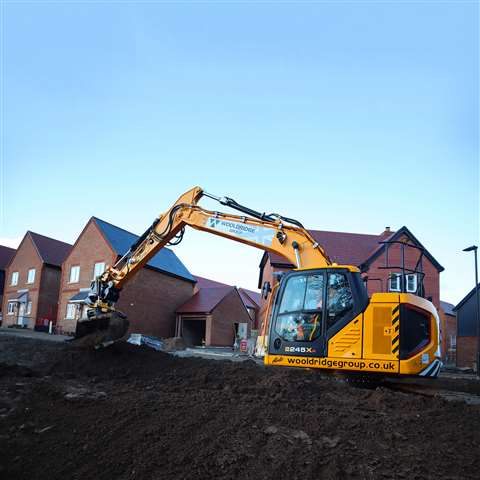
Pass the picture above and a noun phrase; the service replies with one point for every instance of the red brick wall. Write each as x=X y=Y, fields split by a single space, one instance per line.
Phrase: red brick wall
x=448 y=329
x=149 y=299
x=25 y=258
x=2 y=285
x=431 y=280
x=228 y=312
x=466 y=351
x=90 y=248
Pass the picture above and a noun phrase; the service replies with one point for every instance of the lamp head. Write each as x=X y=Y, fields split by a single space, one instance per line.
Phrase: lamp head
x=470 y=249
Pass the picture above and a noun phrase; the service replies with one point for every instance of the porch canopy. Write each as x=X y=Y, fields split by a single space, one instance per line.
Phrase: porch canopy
x=79 y=297
x=22 y=298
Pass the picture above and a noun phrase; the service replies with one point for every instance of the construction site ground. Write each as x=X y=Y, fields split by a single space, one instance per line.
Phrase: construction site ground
x=131 y=412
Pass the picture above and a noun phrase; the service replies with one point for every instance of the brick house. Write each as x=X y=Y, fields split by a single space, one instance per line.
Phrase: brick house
x=367 y=253
x=212 y=315
x=448 y=325
x=250 y=299
x=33 y=282
x=6 y=255
x=149 y=299
x=467 y=333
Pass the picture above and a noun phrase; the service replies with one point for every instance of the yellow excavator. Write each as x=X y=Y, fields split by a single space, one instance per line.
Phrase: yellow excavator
x=319 y=315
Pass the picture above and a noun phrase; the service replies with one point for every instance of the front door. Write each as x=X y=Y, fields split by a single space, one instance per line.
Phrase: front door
x=21 y=314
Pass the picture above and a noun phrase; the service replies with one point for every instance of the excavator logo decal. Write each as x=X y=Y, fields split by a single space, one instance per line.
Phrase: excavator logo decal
x=253 y=233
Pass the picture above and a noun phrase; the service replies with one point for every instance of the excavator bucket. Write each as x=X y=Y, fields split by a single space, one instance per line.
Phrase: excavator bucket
x=101 y=330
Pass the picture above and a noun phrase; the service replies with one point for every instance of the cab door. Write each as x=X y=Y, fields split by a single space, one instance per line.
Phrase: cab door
x=297 y=326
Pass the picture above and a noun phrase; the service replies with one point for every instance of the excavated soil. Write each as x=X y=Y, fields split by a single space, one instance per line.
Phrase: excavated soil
x=133 y=413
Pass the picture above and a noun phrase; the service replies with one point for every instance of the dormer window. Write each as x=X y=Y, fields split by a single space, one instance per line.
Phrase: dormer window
x=395 y=282
x=411 y=283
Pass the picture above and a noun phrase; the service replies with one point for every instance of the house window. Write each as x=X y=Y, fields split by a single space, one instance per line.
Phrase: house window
x=395 y=282
x=411 y=282
x=71 y=311
x=98 y=269
x=14 y=279
x=29 y=308
x=74 y=274
x=453 y=342
x=31 y=276
x=11 y=308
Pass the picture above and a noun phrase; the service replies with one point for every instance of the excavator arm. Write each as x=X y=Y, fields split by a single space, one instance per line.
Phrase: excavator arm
x=272 y=232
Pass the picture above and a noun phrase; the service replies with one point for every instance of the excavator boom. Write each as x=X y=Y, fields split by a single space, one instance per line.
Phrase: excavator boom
x=272 y=232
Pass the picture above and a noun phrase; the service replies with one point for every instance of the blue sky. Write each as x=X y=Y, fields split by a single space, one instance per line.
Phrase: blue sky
x=349 y=116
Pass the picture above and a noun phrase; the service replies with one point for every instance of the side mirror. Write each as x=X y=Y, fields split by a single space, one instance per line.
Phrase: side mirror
x=266 y=289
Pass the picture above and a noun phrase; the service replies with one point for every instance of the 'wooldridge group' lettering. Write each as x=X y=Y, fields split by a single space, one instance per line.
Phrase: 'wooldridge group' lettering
x=238 y=226
x=257 y=234
x=353 y=364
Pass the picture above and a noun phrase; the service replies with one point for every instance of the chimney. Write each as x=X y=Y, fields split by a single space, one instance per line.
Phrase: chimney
x=387 y=230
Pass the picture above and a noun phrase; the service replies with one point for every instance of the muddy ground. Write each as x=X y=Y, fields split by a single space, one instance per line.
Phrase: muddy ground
x=133 y=413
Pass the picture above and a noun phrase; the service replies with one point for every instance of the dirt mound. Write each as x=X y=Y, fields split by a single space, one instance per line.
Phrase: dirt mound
x=134 y=413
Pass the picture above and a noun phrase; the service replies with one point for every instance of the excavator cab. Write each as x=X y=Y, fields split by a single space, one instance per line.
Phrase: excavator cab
x=311 y=306
x=323 y=318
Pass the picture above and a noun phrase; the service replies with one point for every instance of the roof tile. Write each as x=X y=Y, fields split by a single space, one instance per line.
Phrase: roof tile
x=165 y=260
x=52 y=251
x=203 y=282
x=447 y=308
x=6 y=254
x=250 y=299
x=342 y=248
x=205 y=300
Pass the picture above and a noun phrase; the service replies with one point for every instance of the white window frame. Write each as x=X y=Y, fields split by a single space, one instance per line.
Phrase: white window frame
x=31 y=276
x=408 y=277
x=76 y=278
x=28 y=310
x=14 y=279
x=84 y=310
x=96 y=271
x=71 y=311
x=453 y=342
x=398 y=277
x=11 y=308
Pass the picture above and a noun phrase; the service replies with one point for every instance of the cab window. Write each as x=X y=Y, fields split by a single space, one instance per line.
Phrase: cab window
x=300 y=313
x=339 y=298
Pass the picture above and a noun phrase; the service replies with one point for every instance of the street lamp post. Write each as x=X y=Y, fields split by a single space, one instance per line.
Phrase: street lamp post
x=474 y=248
